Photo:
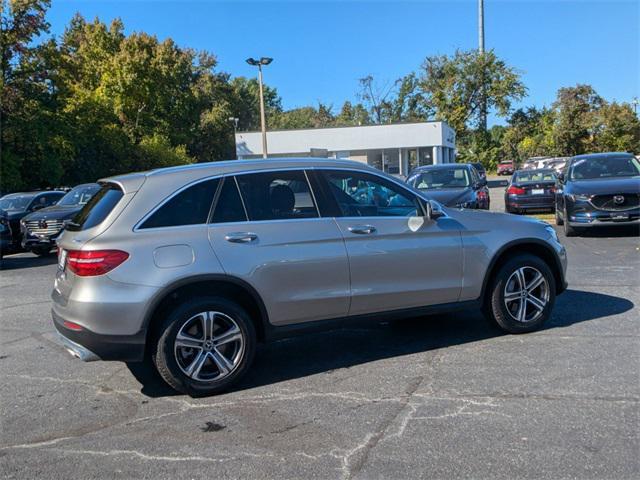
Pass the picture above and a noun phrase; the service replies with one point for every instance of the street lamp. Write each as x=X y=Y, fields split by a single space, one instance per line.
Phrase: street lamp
x=259 y=63
x=235 y=121
x=635 y=103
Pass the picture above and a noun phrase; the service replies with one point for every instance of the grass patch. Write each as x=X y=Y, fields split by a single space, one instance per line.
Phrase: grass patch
x=546 y=217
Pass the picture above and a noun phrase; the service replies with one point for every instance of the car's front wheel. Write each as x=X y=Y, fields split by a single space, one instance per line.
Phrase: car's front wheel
x=205 y=346
x=522 y=294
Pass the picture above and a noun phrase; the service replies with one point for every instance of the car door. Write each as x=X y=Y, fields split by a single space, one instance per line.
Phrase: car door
x=397 y=257
x=267 y=231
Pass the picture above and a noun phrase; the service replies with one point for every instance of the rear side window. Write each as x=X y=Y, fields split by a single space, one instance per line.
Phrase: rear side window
x=277 y=195
x=229 y=205
x=189 y=207
x=96 y=210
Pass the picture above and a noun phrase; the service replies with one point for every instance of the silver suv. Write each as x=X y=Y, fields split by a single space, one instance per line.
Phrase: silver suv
x=191 y=266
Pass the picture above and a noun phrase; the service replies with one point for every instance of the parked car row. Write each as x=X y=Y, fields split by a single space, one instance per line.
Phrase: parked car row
x=593 y=190
x=34 y=220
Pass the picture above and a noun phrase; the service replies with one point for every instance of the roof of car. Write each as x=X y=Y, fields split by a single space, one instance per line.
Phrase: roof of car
x=31 y=194
x=531 y=170
x=133 y=181
x=603 y=155
x=441 y=166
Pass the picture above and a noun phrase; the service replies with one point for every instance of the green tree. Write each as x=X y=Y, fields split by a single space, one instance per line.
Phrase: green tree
x=455 y=86
x=618 y=129
x=352 y=115
x=576 y=110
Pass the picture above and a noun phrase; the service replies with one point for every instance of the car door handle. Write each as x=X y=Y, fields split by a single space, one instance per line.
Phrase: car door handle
x=362 y=229
x=240 y=237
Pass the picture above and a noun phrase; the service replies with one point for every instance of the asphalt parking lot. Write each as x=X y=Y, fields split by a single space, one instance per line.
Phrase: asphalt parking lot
x=438 y=397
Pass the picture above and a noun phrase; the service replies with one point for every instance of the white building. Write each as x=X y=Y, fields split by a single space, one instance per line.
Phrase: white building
x=396 y=148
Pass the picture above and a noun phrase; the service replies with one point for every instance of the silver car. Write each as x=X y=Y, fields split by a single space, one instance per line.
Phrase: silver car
x=192 y=266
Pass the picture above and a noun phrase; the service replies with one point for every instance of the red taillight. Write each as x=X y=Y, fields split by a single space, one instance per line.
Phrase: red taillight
x=513 y=190
x=72 y=326
x=482 y=195
x=89 y=263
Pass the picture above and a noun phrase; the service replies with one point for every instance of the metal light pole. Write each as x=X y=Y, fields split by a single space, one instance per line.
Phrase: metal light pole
x=635 y=103
x=235 y=121
x=259 y=64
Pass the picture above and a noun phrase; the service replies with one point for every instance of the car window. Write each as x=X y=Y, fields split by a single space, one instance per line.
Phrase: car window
x=604 y=167
x=277 y=195
x=229 y=206
x=454 y=177
x=533 y=176
x=96 y=210
x=189 y=207
x=360 y=194
x=79 y=195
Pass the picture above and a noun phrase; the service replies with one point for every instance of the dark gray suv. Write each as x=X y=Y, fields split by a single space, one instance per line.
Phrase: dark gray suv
x=191 y=266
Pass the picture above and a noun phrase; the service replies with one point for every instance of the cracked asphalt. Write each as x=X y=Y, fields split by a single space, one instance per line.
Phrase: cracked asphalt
x=438 y=397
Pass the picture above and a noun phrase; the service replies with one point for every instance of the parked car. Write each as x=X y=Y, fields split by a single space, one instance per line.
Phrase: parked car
x=600 y=189
x=452 y=184
x=531 y=190
x=534 y=163
x=41 y=229
x=193 y=265
x=18 y=205
x=6 y=237
x=506 y=168
x=480 y=169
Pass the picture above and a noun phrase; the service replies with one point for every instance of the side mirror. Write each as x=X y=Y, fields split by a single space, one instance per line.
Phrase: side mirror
x=431 y=213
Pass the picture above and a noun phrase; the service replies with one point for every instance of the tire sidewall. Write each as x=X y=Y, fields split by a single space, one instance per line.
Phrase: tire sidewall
x=164 y=357
x=499 y=311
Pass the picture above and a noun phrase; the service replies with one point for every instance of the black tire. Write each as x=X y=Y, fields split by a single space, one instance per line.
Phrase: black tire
x=569 y=231
x=42 y=251
x=496 y=308
x=165 y=359
x=559 y=220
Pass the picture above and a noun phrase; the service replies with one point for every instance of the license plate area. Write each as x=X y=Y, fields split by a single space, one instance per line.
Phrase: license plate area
x=620 y=217
x=537 y=191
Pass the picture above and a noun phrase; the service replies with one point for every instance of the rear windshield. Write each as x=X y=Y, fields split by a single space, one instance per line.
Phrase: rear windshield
x=96 y=210
x=535 y=176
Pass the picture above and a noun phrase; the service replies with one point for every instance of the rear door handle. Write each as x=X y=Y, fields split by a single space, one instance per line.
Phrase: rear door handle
x=362 y=229
x=240 y=237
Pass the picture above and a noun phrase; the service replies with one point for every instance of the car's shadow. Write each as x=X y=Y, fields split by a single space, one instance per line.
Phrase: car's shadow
x=611 y=232
x=26 y=260
x=337 y=349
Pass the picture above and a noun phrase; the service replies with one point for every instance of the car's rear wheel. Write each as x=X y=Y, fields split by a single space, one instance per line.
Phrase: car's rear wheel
x=522 y=294
x=205 y=346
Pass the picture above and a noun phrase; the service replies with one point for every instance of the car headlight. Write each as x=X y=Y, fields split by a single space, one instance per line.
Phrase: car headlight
x=579 y=197
x=552 y=232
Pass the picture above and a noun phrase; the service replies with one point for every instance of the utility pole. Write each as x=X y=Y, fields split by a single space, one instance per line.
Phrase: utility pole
x=263 y=123
x=483 y=99
x=635 y=103
x=481 y=26
x=234 y=121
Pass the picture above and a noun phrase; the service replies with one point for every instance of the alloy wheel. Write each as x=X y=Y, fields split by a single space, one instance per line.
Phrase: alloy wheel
x=209 y=346
x=526 y=294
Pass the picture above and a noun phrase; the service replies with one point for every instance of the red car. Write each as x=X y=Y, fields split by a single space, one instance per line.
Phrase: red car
x=505 y=168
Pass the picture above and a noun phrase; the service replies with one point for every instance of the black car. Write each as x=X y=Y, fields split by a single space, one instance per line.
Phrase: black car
x=530 y=190
x=5 y=234
x=40 y=229
x=452 y=184
x=18 y=205
x=480 y=169
x=599 y=189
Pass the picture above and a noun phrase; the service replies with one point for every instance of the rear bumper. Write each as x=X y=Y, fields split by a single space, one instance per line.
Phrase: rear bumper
x=89 y=346
x=530 y=202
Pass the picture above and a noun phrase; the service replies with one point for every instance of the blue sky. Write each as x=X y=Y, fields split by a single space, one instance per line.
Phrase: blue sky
x=322 y=48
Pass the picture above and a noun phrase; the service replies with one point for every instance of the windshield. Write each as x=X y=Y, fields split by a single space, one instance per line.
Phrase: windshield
x=604 y=167
x=535 y=176
x=441 y=178
x=79 y=195
x=15 y=202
